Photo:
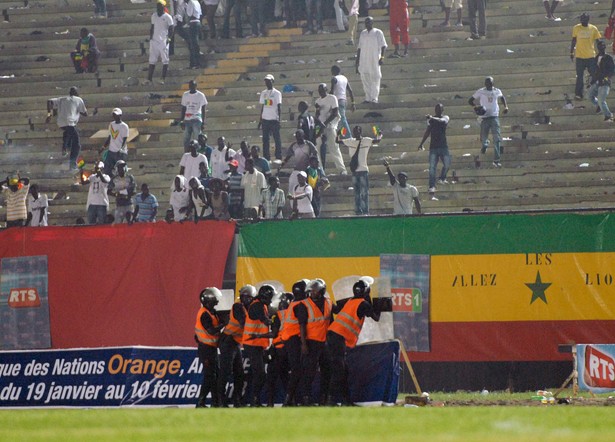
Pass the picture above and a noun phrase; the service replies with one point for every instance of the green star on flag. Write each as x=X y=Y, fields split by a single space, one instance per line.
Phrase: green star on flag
x=538 y=289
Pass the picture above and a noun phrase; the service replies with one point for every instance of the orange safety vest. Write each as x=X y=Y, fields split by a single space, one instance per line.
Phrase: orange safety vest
x=291 y=323
x=277 y=341
x=202 y=335
x=234 y=327
x=347 y=322
x=318 y=322
x=255 y=327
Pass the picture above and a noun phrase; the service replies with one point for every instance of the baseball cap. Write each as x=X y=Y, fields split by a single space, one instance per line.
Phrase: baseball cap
x=269 y=77
x=303 y=174
x=100 y=165
x=233 y=163
x=117 y=111
x=120 y=163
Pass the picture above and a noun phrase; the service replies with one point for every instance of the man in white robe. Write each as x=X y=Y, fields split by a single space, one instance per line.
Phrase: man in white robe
x=370 y=55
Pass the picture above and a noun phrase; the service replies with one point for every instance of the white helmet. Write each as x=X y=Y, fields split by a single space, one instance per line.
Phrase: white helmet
x=210 y=297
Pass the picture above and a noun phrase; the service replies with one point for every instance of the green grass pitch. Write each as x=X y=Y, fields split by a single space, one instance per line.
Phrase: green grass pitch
x=382 y=424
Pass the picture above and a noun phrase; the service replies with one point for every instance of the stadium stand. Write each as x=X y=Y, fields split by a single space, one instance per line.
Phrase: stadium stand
x=555 y=157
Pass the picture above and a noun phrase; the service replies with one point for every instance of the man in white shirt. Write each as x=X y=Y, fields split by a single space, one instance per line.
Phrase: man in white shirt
x=301 y=150
x=180 y=199
x=98 y=200
x=327 y=115
x=301 y=198
x=160 y=34
x=69 y=109
x=242 y=155
x=116 y=141
x=193 y=164
x=370 y=55
x=37 y=207
x=192 y=116
x=404 y=195
x=253 y=183
x=358 y=146
x=488 y=111
x=220 y=158
x=122 y=187
x=271 y=108
x=191 y=13
x=353 y=19
x=340 y=87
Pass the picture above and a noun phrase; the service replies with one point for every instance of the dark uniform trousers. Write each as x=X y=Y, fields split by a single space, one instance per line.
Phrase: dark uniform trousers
x=231 y=371
x=293 y=351
x=336 y=353
x=256 y=356
x=277 y=368
x=208 y=356
x=310 y=364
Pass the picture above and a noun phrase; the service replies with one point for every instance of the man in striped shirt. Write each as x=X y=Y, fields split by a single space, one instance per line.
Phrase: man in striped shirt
x=146 y=206
x=15 y=191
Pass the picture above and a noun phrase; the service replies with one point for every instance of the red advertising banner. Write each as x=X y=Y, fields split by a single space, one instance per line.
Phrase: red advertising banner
x=123 y=285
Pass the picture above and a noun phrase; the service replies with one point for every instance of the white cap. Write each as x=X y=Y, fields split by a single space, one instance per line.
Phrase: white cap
x=303 y=174
x=100 y=165
x=117 y=111
x=269 y=77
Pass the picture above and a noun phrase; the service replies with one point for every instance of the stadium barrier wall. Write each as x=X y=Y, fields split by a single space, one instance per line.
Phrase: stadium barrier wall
x=504 y=290
x=118 y=285
x=156 y=376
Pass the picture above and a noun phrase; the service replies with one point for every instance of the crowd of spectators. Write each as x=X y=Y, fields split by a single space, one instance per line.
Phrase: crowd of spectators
x=220 y=182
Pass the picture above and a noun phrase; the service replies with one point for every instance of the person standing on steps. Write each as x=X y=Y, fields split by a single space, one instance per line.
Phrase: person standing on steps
x=370 y=55
x=583 y=51
x=340 y=87
x=116 y=141
x=399 y=23
x=69 y=109
x=438 y=146
x=488 y=110
x=271 y=110
x=160 y=34
x=601 y=81
x=327 y=114
x=477 y=7
x=405 y=196
x=192 y=118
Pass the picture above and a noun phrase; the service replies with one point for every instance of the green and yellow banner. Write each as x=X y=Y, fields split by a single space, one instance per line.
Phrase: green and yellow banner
x=502 y=287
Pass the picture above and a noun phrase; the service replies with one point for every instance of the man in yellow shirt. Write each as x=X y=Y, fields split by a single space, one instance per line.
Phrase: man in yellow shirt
x=583 y=47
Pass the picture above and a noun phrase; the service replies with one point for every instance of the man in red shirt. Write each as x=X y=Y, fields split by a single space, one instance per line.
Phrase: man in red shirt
x=399 y=23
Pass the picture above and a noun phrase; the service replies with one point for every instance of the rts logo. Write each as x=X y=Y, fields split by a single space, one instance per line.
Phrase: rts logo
x=599 y=369
x=407 y=300
x=24 y=297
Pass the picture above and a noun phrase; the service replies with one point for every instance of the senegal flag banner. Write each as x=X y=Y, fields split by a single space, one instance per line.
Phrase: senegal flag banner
x=488 y=287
